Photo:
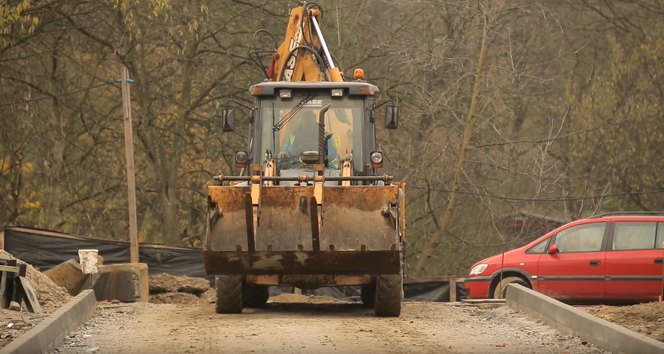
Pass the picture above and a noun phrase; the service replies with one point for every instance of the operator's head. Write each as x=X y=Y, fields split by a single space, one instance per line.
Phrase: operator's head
x=308 y=120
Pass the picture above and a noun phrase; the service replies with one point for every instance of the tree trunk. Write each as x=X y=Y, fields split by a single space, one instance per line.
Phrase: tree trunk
x=431 y=246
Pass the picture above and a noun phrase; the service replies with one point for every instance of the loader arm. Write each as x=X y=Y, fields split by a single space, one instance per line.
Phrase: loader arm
x=303 y=55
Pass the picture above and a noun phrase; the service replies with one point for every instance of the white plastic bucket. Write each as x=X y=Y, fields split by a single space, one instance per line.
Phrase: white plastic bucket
x=88 y=260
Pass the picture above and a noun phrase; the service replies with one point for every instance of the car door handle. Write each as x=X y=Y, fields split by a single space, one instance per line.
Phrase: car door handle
x=594 y=263
x=658 y=260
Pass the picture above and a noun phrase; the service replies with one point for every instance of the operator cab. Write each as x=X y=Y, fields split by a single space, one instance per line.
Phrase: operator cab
x=284 y=125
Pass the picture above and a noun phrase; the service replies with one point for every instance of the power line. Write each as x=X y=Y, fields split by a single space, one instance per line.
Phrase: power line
x=100 y=85
x=57 y=96
x=560 y=199
x=170 y=99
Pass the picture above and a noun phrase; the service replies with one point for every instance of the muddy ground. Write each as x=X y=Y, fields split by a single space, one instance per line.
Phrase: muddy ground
x=316 y=326
x=647 y=319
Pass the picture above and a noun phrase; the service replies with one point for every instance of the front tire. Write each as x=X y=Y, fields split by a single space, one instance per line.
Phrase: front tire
x=389 y=295
x=229 y=294
x=501 y=288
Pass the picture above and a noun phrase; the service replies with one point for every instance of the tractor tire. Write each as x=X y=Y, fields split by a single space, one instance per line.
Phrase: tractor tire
x=229 y=294
x=501 y=288
x=255 y=296
x=368 y=295
x=389 y=295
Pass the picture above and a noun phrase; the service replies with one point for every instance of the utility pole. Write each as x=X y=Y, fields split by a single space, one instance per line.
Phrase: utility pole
x=129 y=151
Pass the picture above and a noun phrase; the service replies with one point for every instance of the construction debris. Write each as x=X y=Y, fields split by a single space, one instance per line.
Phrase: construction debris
x=68 y=275
x=123 y=282
x=49 y=295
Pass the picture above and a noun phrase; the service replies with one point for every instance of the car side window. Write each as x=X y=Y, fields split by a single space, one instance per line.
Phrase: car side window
x=659 y=243
x=539 y=248
x=634 y=235
x=581 y=238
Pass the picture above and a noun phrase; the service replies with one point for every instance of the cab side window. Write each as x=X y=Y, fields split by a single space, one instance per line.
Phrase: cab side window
x=581 y=238
x=634 y=236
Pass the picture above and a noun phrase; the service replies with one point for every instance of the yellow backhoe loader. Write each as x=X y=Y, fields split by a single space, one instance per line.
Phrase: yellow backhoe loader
x=308 y=208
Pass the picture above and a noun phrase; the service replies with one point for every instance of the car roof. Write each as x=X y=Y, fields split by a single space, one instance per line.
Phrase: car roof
x=628 y=214
x=606 y=217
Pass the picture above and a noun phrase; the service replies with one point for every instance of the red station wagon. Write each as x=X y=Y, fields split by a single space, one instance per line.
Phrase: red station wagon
x=608 y=257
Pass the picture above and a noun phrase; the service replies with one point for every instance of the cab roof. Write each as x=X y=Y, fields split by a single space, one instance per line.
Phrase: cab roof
x=268 y=88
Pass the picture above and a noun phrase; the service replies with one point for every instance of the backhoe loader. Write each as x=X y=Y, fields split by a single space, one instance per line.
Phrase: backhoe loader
x=308 y=208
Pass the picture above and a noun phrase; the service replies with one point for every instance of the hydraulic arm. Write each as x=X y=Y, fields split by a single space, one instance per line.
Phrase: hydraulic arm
x=304 y=55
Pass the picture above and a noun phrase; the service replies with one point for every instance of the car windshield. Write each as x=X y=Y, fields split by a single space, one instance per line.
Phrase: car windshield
x=299 y=131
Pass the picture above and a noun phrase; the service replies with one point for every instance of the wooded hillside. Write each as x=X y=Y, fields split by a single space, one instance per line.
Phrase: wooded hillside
x=547 y=107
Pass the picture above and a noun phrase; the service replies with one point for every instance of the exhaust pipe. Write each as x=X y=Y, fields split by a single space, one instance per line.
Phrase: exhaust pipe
x=321 y=133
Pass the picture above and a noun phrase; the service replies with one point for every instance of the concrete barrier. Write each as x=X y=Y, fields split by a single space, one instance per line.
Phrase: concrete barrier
x=569 y=320
x=51 y=332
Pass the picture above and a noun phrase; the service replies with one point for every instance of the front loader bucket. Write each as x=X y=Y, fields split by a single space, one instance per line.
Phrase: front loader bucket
x=357 y=235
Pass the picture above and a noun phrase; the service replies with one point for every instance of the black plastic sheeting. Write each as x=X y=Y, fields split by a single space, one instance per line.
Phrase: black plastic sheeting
x=45 y=249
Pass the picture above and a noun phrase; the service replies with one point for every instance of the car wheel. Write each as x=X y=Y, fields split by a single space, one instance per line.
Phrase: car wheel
x=499 y=292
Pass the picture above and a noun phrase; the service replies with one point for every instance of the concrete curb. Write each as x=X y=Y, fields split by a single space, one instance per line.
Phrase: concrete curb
x=51 y=332
x=569 y=320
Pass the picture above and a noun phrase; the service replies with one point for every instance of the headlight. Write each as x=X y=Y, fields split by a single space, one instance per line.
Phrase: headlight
x=241 y=158
x=478 y=269
x=376 y=157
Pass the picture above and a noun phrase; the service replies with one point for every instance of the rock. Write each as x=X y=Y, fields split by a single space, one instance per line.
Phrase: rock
x=93 y=350
x=14 y=306
x=167 y=283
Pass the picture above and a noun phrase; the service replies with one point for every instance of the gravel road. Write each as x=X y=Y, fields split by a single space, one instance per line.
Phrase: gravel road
x=316 y=328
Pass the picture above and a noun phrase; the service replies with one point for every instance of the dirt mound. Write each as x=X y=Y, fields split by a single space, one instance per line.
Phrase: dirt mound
x=175 y=298
x=298 y=298
x=167 y=283
x=171 y=289
x=51 y=297
x=647 y=319
x=209 y=296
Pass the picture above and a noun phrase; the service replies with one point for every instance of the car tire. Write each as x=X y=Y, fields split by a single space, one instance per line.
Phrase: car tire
x=499 y=292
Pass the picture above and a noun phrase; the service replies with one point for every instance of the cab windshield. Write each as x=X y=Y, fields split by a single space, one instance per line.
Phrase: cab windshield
x=343 y=129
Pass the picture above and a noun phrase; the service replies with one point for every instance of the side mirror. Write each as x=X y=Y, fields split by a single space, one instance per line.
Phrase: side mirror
x=252 y=114
x=391 y=117
x=228 y=119
x=553 y=249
